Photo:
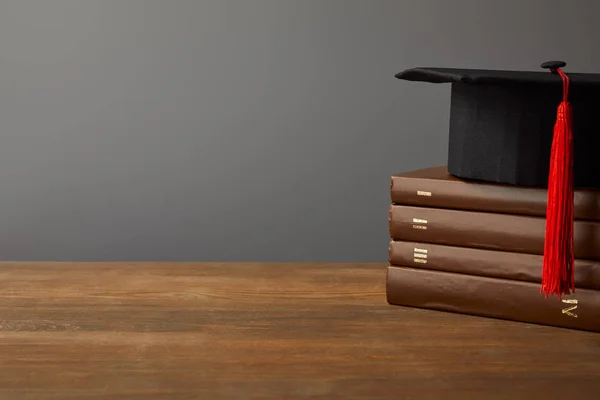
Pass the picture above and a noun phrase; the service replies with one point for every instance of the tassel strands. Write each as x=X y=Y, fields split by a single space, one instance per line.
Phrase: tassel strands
x=558 y=270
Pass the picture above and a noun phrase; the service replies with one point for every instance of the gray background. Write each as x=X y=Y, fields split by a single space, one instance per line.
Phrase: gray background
x=247 y=130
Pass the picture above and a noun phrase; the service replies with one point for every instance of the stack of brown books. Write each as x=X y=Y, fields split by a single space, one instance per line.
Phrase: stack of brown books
x=476 y=248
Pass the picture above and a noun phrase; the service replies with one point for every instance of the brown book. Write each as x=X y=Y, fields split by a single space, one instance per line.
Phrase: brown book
x=514 y=233
x=435 y=187
x=490 y=263
x=491 y=297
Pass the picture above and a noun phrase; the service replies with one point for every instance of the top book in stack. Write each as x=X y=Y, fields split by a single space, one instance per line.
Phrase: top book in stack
x=436 y=187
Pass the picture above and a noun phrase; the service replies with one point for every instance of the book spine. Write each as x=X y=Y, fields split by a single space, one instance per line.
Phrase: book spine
x=462 y=195
x=511 y=233
x=490 y=263
x=491 y=297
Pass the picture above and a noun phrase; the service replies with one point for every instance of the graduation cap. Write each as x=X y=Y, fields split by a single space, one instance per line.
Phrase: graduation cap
x=527 y=128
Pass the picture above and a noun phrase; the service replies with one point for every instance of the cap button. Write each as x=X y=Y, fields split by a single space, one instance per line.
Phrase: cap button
x=554 y=64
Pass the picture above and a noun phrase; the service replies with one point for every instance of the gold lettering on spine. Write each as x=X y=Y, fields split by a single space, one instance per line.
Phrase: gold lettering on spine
x=419 y=224
x=420 y=255
x=568 y=310
x=423 y=193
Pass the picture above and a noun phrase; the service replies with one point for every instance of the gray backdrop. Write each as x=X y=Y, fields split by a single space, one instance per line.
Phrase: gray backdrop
x=238 y=130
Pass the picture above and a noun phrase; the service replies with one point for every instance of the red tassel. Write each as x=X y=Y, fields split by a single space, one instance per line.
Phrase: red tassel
x=558 y=271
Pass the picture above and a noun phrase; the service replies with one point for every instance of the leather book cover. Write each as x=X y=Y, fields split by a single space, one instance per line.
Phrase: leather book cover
x=491 y=297
x=435 y=187
x=490 y=263
x=513 y=233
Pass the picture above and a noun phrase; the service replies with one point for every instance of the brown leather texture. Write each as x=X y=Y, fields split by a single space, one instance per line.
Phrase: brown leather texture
x=490 y=263
x=491 y=297
x=435 y=187
x=515 y=233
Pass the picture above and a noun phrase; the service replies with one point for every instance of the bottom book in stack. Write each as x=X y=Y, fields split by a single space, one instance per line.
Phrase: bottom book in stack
x=491 y=297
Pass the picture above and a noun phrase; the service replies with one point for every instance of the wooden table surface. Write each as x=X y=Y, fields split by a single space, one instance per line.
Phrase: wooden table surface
x=264 y=331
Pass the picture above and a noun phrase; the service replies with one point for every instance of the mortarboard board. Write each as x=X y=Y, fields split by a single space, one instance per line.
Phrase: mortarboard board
x=526 y=128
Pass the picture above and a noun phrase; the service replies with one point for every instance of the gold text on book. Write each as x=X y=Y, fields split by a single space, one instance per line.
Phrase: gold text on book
x=420 y=255
x=419 y=224
x=423 y=193
x=568 y=310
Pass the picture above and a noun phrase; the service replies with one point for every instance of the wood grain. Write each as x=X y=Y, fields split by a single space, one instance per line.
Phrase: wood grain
x=264 y=331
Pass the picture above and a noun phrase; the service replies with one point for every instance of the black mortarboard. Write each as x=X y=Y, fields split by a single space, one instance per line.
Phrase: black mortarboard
x=530 y=129
x=501 y=123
